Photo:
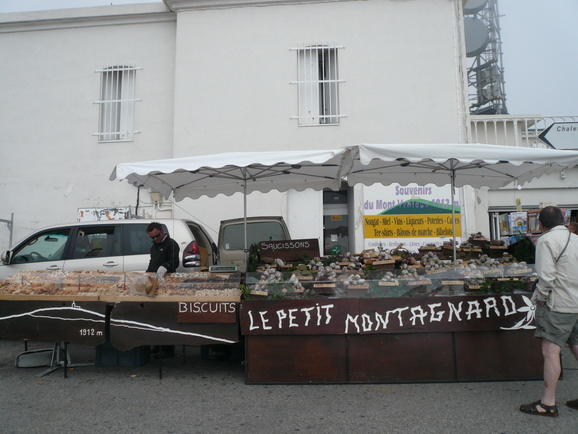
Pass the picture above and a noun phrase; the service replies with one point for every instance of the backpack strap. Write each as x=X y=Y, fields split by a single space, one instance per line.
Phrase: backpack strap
x=565 y=247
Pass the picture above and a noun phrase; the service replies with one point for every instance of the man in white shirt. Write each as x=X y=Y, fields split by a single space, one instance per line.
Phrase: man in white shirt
x=556 y=297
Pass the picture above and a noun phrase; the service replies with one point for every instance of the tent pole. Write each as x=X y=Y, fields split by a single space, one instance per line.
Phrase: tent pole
x=453 y=179
x=245 y=210
x=245 y=250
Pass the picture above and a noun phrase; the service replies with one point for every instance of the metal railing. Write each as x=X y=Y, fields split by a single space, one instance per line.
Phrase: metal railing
x=10 y=225
x=511 y=130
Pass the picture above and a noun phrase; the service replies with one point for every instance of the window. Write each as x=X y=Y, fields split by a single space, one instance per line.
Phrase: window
x=318 y=84
x=136 y=240
x=117 y=84
x=96 y=242
x=234 y=235
x=46 y=246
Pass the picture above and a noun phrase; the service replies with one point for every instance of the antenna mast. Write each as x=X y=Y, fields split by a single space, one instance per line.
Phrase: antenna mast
x=484 y=51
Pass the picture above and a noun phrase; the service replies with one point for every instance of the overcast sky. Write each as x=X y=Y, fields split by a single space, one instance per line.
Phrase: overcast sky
x=539 y=45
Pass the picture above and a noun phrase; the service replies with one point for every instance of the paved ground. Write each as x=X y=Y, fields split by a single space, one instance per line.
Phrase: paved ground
x=199 y=396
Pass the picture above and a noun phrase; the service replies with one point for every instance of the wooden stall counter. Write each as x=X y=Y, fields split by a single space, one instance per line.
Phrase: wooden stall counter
x=129 y=309
x=53 y=318
x=403 y=339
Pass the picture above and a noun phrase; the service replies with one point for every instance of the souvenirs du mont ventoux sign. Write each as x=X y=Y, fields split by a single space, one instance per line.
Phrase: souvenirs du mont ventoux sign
x=413 y=215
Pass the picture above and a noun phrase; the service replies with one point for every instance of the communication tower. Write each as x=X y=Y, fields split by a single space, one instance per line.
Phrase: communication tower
x=484 y=51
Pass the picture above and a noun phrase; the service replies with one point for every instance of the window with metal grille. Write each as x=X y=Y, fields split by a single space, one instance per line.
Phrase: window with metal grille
x=318 y=84
x=117 y=100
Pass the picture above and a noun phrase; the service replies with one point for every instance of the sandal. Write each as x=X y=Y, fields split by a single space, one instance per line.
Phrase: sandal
x=534 y=408
x=573 y=404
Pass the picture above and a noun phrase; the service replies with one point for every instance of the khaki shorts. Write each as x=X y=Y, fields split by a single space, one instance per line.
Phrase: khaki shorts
x=557 y=327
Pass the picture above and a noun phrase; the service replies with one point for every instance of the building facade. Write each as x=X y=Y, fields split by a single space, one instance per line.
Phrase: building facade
x=85 y=89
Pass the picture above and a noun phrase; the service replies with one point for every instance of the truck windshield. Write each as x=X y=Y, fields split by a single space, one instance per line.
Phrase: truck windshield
x=234 y=238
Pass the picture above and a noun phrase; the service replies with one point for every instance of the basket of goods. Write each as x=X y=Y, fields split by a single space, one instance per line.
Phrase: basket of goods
x=448 y=247
x=518 y=269
x=388 y=279
x=473 y=285
x=355 y=285
x=469 y=249
x=433 y=264
x=416 y=284
x=270 y=278
x=351 y=263
x=303 y=273
x=325 y=279
x=495 y=249
x=318 y=264
x=508 y=258
x=378 y=260
x=430 y=247
x=529 y=282
x=293 y=288
x=489 y=267
x=399 y=254
x=478 y=240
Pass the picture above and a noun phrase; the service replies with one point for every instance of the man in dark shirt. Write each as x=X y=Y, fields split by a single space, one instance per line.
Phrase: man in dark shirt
x=164 y=251
x=164 y=258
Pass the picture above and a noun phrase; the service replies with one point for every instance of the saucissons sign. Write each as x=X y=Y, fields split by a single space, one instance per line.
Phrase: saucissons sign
x=289 y=250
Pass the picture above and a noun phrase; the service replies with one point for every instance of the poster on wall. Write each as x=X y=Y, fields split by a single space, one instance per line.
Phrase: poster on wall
x=98 y=214
x=518 y=223
x=413 y=215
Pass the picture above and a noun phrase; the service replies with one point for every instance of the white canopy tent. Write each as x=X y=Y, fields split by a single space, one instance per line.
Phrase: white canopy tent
x=233 y=172
x=476 y=165
x=229 y=173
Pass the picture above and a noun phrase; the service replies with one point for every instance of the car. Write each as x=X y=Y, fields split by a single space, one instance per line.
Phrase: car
x=232 y=237
x=112 y=245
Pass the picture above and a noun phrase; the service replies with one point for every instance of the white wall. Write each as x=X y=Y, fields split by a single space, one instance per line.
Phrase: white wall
x=213 y=80
x=234 y=66
x=50 y=164
x=402 y=65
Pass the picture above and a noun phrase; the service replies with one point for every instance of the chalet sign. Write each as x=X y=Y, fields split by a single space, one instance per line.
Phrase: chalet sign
x=561 y=135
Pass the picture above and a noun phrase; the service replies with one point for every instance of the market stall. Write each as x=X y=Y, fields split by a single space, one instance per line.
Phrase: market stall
x=370 y=317
x=317 y=324
x=359 y=319
x=286 y=343
x=41 y=306
x=467 y=338
x=120 y=312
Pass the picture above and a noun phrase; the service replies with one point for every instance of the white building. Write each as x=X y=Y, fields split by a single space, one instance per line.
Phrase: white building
x=85 y=89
